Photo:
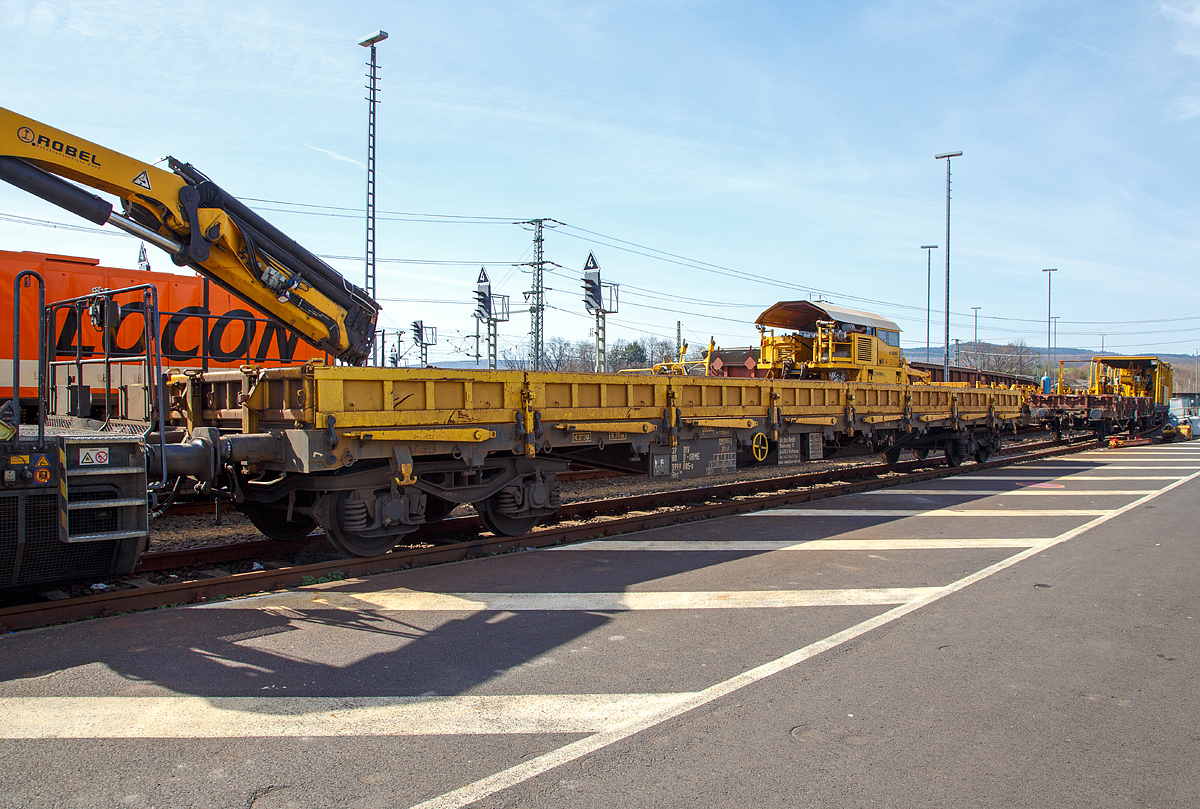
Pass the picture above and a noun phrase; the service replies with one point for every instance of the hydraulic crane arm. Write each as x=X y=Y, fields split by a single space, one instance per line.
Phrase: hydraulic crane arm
x=200 y=225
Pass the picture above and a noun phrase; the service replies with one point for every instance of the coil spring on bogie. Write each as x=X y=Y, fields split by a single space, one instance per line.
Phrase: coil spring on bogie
x=506 y=503
x=555 y=499
x=354 y=515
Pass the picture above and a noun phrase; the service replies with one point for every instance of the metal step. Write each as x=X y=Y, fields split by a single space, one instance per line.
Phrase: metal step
x=119 y=470
x=94 y=504
x=117 y=535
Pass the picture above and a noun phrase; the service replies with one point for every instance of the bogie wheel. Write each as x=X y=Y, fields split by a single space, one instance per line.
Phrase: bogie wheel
x=922 y=453
x=353 y=543
x=501 y=524
x=956 y=452
x=759 y=447
x=891 y=457
x=273 y=522
x=437 y=509
x=982 y=454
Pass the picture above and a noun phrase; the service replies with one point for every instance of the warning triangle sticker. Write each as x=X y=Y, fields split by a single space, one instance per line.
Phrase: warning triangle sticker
x=87 y=458
x=483 y=279
x=42 y=461
x=591 y=264
x=143 y=180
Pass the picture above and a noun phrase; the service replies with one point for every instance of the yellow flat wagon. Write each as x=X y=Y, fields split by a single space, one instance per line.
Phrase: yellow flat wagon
x=371 y=454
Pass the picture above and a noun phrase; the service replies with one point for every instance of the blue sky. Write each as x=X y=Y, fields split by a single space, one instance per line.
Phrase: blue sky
x=779 y=148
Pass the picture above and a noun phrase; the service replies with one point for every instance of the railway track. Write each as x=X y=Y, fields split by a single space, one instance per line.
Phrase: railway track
x=573 y=523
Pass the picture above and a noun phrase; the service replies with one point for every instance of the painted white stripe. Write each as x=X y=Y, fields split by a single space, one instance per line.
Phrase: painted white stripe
x=1152 y=463
x=1011 y=492
x=1098 y=467
x=1148 y=449
x=417 y=601
x=239 y=717
x=937 y=512
x=1152 y=460
x=531 y=768
x=1072 y=478
x=789 y=545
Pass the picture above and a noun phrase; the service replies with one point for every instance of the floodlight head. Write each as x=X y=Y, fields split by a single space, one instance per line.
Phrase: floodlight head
x=947 y=154
x=1051 y=269
x=929 y=247
x=371 y=39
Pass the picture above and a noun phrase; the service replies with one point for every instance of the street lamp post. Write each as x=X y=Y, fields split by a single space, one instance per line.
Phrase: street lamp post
x=1055 y=345
x=928 y=248
x=975 y=342
x=1048 y=277
x=371 y=41
x=946 y=358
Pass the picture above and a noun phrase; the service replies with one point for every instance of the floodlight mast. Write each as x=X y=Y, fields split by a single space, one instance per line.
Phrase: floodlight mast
x=946 y=358
x=372 y=102
x=928 y=291
x=1049 y=286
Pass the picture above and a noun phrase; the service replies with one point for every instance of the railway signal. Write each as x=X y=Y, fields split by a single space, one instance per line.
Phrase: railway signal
x=490 y=309
x=483 y=296
x=424 y=337
x=594 y=300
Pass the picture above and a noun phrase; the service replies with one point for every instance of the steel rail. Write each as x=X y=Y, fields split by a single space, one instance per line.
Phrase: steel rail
x=33 y=615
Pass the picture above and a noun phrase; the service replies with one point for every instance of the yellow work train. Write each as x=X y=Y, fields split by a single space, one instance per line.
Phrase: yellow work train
x=809 y=340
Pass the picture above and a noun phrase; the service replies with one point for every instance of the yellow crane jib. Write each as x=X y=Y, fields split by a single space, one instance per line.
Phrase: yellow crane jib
x=199 y=224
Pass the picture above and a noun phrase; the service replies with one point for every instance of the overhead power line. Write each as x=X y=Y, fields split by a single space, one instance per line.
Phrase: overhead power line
x=631 y=247
x=414 y=216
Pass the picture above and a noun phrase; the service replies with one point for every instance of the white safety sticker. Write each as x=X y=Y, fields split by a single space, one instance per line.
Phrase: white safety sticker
x=93 y=457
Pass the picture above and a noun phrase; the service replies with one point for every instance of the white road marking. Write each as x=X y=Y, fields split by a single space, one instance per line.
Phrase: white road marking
x=1070 y=478
x=176 y=717
x=937 y=512
x=1010 y=492
x=418 y=601
x=1147 y=449
x=1149 y=463
x=534 y=767
x=1099 y=467
x=751 y=545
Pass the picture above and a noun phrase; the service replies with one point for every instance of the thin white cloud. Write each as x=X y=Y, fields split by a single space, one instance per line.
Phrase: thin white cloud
x=335 y=155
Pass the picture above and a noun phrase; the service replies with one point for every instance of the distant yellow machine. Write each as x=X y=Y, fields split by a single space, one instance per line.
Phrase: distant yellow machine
x=834 y=343
x=1144 y=376
x=1124 y=393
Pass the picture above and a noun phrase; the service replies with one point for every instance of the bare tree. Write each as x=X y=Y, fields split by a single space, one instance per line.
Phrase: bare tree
x=978 y=355
x=558 y=356
x=585 y=357
x=1016 y=358
x=515 y=358
x=658 y=350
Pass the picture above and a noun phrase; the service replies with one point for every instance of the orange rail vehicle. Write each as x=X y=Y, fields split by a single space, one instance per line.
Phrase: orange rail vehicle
x=202 y=325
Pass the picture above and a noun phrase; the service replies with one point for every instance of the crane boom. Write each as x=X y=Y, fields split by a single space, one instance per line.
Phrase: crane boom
x=199 y=224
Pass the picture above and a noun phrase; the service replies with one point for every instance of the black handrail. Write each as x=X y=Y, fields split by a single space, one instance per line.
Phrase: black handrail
x=151 y=359
x=11 y=411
